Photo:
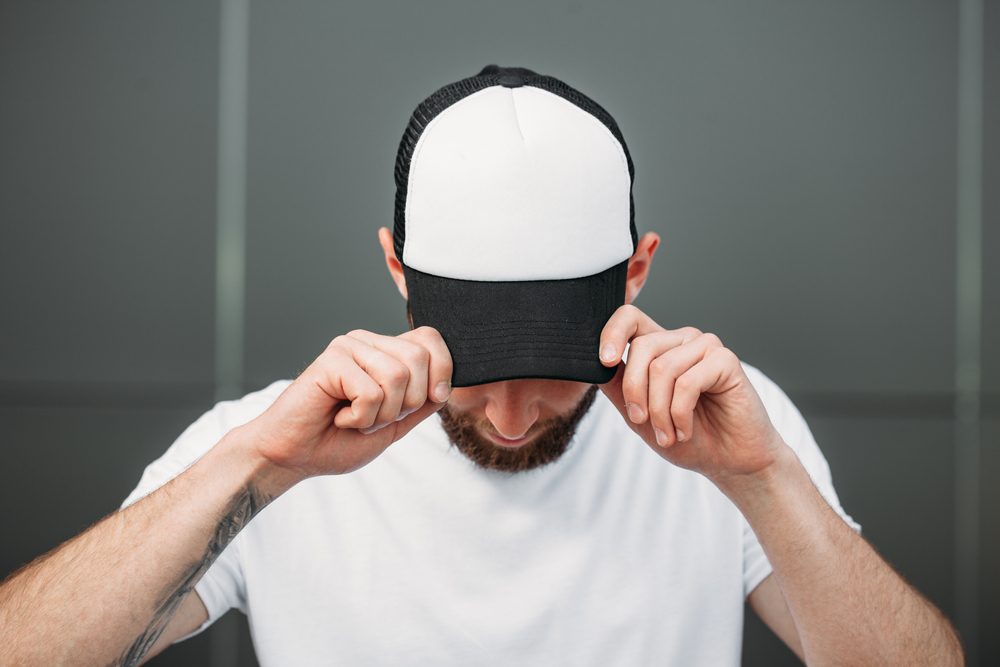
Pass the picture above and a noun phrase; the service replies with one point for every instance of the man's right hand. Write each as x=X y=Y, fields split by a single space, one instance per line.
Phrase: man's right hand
x=98 y=598
x=363 y=393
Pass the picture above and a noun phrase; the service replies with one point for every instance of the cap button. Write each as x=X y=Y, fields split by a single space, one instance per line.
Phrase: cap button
x=510 y=80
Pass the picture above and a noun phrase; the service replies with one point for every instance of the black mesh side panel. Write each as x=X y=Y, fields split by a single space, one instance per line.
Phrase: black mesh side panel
x=491 y=75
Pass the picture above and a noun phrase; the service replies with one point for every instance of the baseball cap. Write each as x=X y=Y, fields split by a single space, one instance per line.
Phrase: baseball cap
x=514 y=222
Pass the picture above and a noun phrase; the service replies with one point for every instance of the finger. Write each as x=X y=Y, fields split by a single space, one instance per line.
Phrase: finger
x=613 y=390
x=711 y=375
x=440 y=365
x=416 y=358
x=625 y=323
x=641 y=352
x=339 y=375
x=407 y=424
x=391 y=375
x=664 y=372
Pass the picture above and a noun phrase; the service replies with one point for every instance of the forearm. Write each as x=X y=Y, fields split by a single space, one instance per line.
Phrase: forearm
x=849 y=606
x=105 y=596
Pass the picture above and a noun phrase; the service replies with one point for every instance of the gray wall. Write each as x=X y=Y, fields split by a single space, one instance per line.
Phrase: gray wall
x=799 y=161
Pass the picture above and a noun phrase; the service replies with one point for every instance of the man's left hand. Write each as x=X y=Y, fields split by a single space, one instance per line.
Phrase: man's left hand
x=688 y=397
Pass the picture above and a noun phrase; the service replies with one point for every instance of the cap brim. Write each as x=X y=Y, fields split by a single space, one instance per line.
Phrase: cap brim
x=519 y=329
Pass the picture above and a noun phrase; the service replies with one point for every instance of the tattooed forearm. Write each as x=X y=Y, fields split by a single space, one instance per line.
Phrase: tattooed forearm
x=241 y=510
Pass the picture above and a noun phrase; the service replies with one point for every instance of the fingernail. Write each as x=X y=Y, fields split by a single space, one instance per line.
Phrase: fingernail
x=608 y=352
x=661 y=437
x=681 y=437
x=442 y=391
x=634 y=412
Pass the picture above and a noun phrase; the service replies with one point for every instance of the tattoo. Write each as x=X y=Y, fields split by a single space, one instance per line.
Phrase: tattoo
x=244 y=507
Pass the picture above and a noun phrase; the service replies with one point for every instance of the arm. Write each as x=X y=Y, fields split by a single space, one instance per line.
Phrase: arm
x=847 y=604
x=688 y=397
x=768 y=602
x=108 y=595
x=191 y=613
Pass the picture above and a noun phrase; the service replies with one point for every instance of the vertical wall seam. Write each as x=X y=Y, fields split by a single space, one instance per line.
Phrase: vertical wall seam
x=230 y=250
x=968 y=322
x=231 y=198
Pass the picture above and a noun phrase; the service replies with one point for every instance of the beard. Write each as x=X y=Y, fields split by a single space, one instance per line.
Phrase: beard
x=552 y=442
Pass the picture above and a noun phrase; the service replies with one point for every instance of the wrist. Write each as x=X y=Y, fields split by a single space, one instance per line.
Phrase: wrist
x=744 y=488
x=240 y=455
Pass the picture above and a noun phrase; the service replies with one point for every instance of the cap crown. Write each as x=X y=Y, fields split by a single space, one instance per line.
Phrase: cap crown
x=512 y=176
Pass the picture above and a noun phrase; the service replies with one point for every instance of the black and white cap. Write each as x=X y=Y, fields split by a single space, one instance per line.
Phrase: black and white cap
x=514 y=223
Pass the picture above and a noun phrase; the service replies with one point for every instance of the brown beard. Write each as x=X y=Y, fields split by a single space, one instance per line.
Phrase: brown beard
x=551 y=443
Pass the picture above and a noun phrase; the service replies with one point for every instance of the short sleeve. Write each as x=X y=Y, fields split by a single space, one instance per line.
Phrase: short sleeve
x=792 y=426
x=221 y=588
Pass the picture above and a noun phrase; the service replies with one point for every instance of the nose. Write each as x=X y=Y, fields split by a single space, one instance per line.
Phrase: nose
x=511 y=409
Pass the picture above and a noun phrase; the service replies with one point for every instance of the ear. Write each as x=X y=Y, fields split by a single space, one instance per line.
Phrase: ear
x=393 y=264
x=639 y=263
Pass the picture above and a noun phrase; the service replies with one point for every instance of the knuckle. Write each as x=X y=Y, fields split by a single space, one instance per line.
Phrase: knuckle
x=711 y=339
x=660 y=420
x=427 y=331
x=371 y=395
x=632 y=395
x=726 y=354
x=639 y=346
x=411 y=404
x=447 y=367
x=355 y=333
x=398 y=373
x=662 y=365
x=442 y=361
x=634 y=392
x=418 y=355
x=678 y=408
x=690 y=332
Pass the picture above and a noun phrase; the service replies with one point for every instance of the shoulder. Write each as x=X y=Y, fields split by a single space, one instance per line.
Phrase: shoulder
x=202 y=434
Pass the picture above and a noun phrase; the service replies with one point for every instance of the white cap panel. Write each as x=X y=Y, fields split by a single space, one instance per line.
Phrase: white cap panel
x=516 y=184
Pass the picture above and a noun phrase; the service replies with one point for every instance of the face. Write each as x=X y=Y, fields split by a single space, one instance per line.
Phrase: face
x=514 y=425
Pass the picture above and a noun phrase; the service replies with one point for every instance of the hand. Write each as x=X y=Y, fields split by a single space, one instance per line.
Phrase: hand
x=687 y=396
x=364 y=392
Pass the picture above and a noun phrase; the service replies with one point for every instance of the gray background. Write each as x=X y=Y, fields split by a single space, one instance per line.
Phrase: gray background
x=801 y=162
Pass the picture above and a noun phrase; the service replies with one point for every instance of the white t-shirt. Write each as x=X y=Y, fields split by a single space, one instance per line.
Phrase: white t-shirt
x=608 y=556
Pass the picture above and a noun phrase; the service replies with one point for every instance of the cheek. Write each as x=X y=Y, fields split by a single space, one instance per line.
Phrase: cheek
x=464 y=399
x=562 y=399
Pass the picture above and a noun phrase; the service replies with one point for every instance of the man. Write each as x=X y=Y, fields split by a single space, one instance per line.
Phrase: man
x=573 y=483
